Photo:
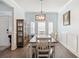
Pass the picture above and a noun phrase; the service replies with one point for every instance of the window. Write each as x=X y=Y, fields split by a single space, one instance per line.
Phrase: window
x=50 y=27
x=32 y=27
x=41 y=28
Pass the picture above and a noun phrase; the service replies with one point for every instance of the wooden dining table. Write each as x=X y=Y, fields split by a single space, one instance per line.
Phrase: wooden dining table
x=33 y=44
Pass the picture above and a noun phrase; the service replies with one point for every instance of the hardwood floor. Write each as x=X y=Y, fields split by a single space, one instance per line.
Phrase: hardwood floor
x=60 y=52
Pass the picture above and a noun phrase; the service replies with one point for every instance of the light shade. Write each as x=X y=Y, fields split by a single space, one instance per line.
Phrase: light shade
x=40 y=17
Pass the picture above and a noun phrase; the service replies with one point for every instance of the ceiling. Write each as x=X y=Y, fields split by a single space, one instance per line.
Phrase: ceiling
x=35 y=5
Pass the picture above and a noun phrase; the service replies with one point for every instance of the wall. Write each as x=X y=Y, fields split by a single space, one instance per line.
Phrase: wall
x=69 y=35
x=6 y=11
x=4 y=7
x=17 y=13
x=50 y=16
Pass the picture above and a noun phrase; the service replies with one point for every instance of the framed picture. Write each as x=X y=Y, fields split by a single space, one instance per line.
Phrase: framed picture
x=66 y=18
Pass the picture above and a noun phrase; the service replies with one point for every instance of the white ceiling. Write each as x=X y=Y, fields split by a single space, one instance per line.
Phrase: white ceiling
x=35 y=5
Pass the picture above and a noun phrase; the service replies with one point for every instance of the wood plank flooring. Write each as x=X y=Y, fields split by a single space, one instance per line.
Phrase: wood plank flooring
x=60 y=52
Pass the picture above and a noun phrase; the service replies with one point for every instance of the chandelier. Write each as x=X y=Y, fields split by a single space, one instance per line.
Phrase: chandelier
x=41 y=16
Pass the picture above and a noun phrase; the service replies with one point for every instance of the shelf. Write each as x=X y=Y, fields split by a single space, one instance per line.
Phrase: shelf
x=19 y=30
x=20 y=33
x=19 y=26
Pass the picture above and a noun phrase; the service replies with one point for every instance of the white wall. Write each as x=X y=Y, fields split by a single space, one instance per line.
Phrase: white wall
x=68 y=35
x=6 y=16
x=18 y=13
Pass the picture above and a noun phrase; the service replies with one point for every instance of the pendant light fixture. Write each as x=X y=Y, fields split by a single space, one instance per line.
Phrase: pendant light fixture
x=41 y=16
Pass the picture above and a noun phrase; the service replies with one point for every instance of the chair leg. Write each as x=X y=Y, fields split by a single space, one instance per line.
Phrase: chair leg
x=54 y=53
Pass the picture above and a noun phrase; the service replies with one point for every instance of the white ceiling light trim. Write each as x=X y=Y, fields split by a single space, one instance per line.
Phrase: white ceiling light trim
x=65 y=5
x=48 y=5
x=13 y=4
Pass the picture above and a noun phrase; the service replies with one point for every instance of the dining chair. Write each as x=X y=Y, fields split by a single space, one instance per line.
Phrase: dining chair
x=43 y=48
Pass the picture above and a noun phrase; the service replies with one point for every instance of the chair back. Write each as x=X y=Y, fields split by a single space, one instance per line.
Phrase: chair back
x=43 y=47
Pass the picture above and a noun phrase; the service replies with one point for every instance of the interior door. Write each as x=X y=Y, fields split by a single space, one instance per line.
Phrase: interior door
x=4 y=26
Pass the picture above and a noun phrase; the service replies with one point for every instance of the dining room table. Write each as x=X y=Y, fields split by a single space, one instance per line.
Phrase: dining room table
x=34 y=40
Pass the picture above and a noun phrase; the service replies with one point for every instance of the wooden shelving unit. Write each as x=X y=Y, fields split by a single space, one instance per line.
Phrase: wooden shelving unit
x=20 y=33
